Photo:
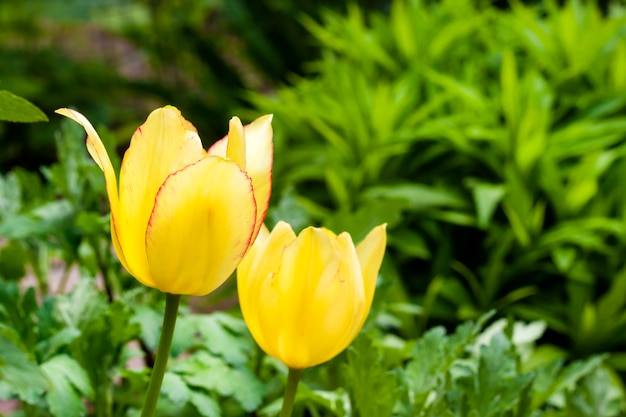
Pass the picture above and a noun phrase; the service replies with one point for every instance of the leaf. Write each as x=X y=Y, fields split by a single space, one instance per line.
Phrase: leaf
x=369 y=215
x=494 y=385
x=418 y=197
x=202 y=370
x=150 y=322
x=48 y=347
x=43 y=220
x=234 y=343
x=486 y=198
x=69 y=383
x=205 y=404
x=431 y=361
x=364 y=375
x=410 y=243
x=10 y=195
x=289 y=210
x=597 y=396
x=18 y=370
x=336 y=401
x=16 y=109
x=510 y=90
x=175 y=388
x=18 y=310
x=13 y=259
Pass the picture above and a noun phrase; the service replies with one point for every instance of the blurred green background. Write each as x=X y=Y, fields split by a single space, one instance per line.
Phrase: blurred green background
x=489 y=136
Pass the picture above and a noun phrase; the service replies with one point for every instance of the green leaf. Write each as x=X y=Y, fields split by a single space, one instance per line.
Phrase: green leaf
x=150 y=322
x=495 y=385
x=18 y=370
x=205 y=404
x=336 y=401
x=369 y=215
x=13 y=259
x=597 y=396
x=18 y=310
x=70 y=383
x=486 y=198
x=365 y=374
x=418 y=197
x=16 y=109
x=410 y=243
x=10 y=195
x=175 y=388
x=220 y=333
x=50 y=346
x=210 y=373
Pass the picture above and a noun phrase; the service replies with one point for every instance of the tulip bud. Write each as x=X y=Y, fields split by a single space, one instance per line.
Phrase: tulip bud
x=306 y=297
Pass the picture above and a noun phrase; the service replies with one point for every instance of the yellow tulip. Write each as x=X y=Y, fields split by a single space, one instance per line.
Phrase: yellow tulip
x=182 y=218
x=306 y=297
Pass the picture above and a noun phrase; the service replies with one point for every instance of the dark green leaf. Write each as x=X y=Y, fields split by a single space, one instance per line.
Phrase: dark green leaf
x=16 y=109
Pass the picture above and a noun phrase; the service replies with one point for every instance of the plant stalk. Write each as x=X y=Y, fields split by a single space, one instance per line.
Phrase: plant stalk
x=165 y=342
x=293 y=378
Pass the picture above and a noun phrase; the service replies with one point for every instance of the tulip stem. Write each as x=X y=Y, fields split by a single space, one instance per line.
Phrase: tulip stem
x=293 y=378
x=163 y=352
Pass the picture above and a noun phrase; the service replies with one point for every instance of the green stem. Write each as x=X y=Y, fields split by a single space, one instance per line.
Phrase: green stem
x=290 y=391
x=163 y=352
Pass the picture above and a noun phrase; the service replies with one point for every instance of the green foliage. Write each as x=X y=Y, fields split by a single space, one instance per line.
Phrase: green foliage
x=492 y=143
x=475 y=371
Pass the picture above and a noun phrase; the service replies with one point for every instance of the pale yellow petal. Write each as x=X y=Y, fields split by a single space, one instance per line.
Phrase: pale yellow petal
x=117 y=246
x=236 y=147
x=99 y=154
x=201 y=227
x=164 y=144
x=259 y=158
x=371 y=252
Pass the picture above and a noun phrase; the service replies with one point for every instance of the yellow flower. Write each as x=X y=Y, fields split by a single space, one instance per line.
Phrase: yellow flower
x=183 y=217
x=305 y=298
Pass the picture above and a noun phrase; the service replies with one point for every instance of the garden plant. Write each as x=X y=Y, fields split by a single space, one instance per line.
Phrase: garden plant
x=421 y=211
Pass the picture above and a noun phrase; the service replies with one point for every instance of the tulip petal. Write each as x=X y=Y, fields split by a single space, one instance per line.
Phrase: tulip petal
x=310 y=262
x=236 y=147
x=99 y=154
x=255 y=270
x=351 y=271
x=336 y=307
x=371 y=252
x=259 y=157
x=164 y=144
x=263 y=257
x=204 y=213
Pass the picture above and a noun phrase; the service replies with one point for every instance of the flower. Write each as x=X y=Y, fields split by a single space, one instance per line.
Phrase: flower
x=183 y=218
x=305 y=298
